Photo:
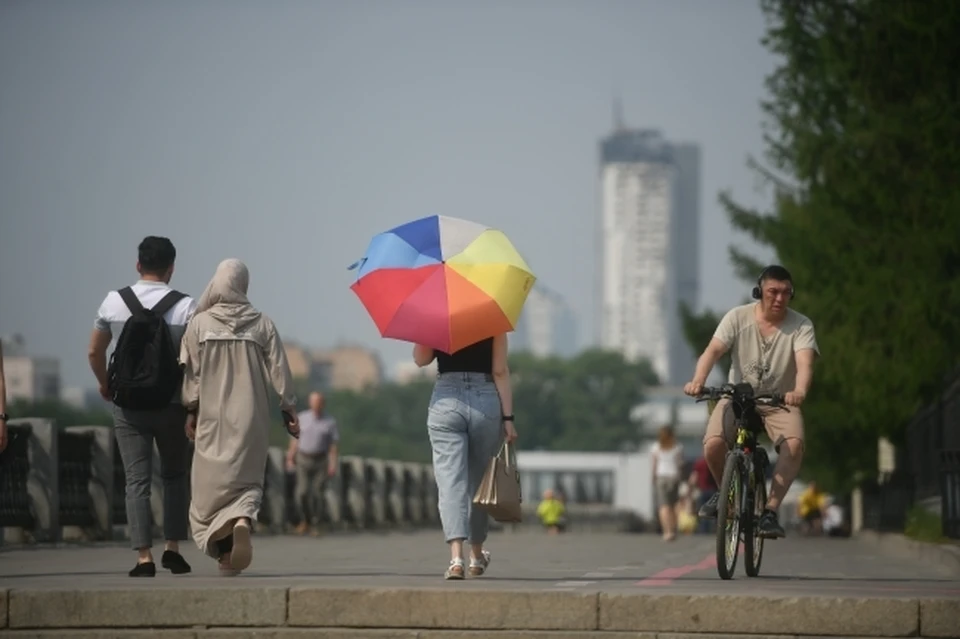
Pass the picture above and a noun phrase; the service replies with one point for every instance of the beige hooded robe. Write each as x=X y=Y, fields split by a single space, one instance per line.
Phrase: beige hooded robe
x=232 y=356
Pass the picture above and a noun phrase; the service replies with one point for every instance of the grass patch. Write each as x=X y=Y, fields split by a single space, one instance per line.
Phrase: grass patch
x=923 y=525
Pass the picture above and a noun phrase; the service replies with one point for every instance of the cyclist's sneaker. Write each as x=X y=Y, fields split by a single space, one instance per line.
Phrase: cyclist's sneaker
x=769 y=525
x=709 y=509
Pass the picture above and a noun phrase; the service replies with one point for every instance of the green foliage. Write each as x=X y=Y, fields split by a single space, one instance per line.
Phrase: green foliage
x=924 y=525
x=863 y=112
x=698 y=330
x=559 y=404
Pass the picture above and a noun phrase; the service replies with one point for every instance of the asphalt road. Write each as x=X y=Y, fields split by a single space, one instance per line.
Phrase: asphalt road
x=576 y=562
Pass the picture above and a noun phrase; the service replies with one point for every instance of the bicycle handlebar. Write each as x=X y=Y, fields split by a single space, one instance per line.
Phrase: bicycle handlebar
x=729 y=390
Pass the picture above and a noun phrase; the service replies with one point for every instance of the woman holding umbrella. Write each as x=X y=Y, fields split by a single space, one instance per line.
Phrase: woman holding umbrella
x=453 y=288
x=470 y=412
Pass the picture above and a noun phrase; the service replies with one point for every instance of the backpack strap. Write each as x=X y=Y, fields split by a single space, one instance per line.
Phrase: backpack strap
x=169 y=301
x=131 y=300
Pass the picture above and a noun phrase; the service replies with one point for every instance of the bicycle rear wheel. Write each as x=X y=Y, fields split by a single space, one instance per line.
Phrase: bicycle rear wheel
x=728 y=516
x=753 y=542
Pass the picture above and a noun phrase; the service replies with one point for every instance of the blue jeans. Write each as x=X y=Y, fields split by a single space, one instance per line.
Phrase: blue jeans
x=463 y=422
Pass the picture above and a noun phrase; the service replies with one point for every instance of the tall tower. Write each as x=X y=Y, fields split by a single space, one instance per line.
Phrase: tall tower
x=649 y=247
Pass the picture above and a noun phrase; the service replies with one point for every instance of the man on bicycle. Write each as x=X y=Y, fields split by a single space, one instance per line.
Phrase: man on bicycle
x=773 y=349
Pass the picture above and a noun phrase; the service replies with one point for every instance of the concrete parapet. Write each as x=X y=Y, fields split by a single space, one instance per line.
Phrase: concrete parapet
x=273 y=508
x=394 y=491
x=354 y=490
x=376 y=484
x=101 y=484
x=43 y=478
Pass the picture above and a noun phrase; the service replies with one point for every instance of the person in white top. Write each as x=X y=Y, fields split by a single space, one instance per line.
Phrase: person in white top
x=667 y=457
x=136 y=429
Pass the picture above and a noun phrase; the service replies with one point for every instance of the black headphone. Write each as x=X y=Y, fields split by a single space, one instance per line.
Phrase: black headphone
x=758 y=294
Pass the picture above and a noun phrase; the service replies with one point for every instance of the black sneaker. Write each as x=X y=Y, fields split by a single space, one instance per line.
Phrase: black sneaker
x=769 y=525
x=147 y=569
x=174 y=562
x=709 y=509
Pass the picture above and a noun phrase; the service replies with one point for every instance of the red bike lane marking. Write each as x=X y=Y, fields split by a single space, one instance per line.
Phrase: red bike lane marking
x=666 y=576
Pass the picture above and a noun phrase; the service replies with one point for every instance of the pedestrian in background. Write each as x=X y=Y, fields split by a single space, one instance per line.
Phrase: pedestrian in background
x=314 y=457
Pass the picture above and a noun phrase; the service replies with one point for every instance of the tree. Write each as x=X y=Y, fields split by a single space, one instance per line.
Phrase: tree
x=863 y=112
x=698 y=330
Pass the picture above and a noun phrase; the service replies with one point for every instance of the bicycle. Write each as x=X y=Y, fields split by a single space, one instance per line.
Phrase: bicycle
x=746 y=465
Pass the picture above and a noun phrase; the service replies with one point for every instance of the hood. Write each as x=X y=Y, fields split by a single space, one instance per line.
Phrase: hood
x=236 y=317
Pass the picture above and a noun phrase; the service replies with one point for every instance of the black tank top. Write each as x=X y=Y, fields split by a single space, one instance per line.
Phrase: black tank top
x=476 y=358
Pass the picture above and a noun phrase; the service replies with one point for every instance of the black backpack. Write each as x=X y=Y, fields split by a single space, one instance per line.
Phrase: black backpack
x=144 y=371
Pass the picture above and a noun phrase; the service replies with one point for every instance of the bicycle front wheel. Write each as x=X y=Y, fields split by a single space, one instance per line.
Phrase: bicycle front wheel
x=728 y=516
x=753 y=542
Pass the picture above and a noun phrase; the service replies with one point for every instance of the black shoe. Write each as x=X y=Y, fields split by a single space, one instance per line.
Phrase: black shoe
x=174 y=562
x=148 y=569
x=709 y=509
x=769 y=526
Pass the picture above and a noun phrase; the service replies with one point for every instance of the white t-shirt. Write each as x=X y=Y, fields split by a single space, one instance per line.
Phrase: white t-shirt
x=668 y=461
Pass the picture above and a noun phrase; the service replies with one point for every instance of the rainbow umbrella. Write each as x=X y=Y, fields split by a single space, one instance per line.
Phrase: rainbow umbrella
x=442 y=282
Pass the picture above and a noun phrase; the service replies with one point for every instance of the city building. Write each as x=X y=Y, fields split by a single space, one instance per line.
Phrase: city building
x=344 y=367
x=649 y=247
x=29 y=378
x=547 y=325
x=407 y=371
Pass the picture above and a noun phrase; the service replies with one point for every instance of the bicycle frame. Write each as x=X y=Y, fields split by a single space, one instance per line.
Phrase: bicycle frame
x=746 y=464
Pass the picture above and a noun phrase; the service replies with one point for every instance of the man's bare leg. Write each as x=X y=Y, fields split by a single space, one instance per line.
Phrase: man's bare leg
x=784 y=473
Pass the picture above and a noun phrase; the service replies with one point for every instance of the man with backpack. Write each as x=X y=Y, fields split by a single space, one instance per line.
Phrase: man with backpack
x=142 y=380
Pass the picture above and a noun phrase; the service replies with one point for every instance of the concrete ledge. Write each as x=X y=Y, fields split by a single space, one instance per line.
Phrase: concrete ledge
x=459 y=613
x=100 y=633
x=147 y=608
x=940 y=618
x=463 y=609
x=753 y=615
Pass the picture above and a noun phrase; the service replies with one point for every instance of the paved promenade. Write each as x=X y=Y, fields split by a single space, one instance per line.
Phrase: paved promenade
x=351 y=581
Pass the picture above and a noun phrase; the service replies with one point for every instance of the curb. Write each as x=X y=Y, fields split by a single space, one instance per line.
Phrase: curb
x=400 y=612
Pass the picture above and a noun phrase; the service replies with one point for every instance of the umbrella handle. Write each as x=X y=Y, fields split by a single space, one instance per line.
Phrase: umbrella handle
x=357 y=264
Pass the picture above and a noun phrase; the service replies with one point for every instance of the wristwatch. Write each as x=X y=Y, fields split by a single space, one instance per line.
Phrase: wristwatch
x=4 y=417
x=506 y=418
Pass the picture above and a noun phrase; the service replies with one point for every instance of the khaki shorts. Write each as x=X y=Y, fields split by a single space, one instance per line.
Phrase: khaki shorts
x=779 y=423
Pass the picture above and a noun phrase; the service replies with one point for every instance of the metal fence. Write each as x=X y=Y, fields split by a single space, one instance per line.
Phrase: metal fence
x=927 y=470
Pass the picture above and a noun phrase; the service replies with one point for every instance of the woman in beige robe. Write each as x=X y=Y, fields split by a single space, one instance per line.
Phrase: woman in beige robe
x=232 y=355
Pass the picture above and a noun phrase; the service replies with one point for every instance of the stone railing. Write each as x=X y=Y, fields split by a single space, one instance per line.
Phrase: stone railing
x=59 y=484
x=68 y=483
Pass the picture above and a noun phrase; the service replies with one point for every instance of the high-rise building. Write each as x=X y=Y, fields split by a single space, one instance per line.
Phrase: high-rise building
x=649 y=248
x=547 y=325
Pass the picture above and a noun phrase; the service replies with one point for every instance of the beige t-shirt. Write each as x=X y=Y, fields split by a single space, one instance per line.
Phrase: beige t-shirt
x=768 y=365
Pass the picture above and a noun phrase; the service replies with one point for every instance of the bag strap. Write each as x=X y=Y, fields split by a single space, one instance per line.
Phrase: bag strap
x=169 y=301
x=131 y=300
x=508 y=454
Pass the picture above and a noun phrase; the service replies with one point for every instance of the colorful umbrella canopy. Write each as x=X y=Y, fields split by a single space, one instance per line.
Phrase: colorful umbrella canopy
x=443 y=282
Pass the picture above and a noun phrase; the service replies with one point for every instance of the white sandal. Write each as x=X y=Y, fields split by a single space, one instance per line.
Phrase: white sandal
x=479 y=566
x=454 y=570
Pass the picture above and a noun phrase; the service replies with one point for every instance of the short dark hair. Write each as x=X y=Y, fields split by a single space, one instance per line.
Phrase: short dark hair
x=776 y=272
x=156 y=254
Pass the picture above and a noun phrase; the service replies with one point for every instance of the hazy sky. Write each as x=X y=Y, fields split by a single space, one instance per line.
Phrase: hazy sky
x=286 y=133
